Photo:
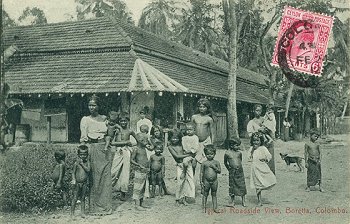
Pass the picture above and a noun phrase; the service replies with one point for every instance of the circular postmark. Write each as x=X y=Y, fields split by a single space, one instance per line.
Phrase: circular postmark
x=297 y=51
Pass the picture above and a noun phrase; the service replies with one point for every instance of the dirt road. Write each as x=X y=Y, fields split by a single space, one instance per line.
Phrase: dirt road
x=287 y=202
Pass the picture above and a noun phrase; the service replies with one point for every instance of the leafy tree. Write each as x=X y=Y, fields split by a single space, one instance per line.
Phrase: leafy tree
x=98 y=8
x=32 y=16
x=6 y=20
x=158 y=16
x=197 y=27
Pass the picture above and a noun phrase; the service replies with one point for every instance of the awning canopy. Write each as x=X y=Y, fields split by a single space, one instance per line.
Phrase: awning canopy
x=147 y=78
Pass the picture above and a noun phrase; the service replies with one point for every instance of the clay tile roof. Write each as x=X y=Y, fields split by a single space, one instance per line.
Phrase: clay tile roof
x=99 y=55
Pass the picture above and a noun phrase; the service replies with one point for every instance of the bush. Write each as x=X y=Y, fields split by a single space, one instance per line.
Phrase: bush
x=25 y=175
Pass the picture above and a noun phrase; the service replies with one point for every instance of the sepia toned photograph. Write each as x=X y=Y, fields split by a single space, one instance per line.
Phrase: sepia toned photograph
x=175 y=111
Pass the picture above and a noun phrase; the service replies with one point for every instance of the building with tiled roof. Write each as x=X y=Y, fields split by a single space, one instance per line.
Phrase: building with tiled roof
x=59 y=65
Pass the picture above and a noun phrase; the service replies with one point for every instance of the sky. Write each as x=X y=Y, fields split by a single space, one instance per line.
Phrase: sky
x=61 y=10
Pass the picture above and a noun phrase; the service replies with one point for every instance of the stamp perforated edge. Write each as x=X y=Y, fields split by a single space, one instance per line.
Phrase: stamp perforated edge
x=278 y=39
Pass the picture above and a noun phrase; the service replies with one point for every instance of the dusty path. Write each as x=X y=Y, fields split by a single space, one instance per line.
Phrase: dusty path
x=287 y=202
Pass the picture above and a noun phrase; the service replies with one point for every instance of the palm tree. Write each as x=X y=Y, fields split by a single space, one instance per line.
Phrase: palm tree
x=158 y=16
x=98 y=8
x=197 y=27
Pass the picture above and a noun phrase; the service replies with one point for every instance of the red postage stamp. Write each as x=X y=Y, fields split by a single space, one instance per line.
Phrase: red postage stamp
x=302 y=41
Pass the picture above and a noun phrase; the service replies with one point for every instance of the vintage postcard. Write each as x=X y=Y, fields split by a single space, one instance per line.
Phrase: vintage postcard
x=162 y=111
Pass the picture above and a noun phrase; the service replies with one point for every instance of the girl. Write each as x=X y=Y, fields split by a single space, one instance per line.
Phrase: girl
x=185 y=187
x=156 y=135
x=261 y=176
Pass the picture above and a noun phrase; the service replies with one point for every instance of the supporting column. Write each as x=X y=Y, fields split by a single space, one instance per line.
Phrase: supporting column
x=48 y=129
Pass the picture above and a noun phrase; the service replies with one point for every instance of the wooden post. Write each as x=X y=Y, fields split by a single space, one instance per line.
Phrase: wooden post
x=48 y=129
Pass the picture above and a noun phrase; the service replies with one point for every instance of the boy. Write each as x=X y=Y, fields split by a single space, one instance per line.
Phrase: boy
x=233 y=163
x=209 y=182
x=144 y=121
x=157 y=162
x=58 y=174
x=190 y=145
x=80 y=178
x=121 y=161
x=140 y=161
x=112 y=127
x=313 y=161
x=204 y=126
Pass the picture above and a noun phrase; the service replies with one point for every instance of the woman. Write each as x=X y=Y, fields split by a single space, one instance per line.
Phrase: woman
x=256 y=125
x=93 y=130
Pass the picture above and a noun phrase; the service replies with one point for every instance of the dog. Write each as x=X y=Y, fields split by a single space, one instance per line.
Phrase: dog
x=293 y=159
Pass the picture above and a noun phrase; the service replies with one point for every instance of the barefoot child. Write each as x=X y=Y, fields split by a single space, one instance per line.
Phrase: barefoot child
x=58 y=174
x=80 y=178
x=209 y=180
x=313 y=161
x=157 y=138
x=204 y=127
x=112 y=128
x=185 y=188
x=190 y=145
x=140 y=161
x=121 y=161
x=157 y=165
x=233 y=163
x=261 y=176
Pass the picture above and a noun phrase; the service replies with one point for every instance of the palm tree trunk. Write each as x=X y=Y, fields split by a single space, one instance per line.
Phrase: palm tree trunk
x=289 y=96
x=230 y=15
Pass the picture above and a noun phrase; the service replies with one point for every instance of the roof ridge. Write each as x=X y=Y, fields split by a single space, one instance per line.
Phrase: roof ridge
x=55 y=23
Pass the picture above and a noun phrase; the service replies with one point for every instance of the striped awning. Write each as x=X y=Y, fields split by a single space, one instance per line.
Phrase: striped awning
x=147 y=78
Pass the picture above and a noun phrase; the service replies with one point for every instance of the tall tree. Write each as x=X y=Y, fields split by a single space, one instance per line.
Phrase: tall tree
x=233 y=24
x=32 y=16
x=197 y=27
x=158 y=16
x=98 y=8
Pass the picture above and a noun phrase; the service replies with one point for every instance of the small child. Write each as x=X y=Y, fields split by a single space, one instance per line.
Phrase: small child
x=58 y=174
x=140 y=161
x=80 y=178
x=209 y=181
x=157 y=165
x=157 y=138
x=144 y=130
x=269 y=123
x=112 y=127
x=144 y=120
x=156 y=135
x=122 y=148
x=261 y=178
x=233 y=163
x=313 y=161
x=185 y=188
x=190 y=145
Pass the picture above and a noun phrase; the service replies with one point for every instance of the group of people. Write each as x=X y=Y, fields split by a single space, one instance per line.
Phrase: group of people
x=106 y=155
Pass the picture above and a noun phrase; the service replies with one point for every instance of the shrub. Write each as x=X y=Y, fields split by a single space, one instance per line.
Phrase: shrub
x=25 y=173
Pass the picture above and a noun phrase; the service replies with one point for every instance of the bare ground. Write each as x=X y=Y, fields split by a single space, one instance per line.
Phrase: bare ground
x=287 y=202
